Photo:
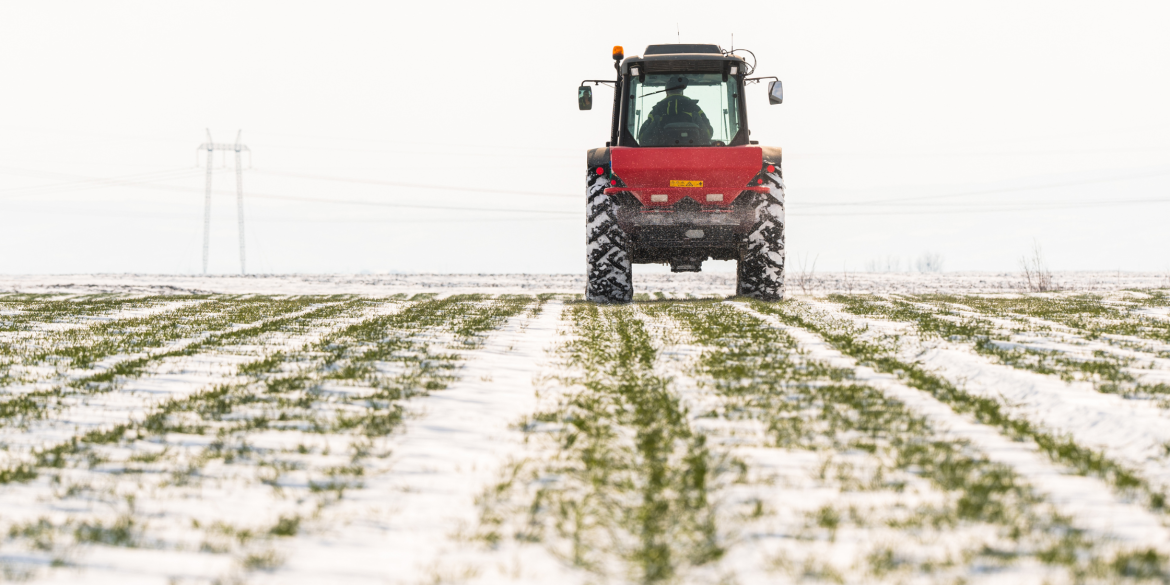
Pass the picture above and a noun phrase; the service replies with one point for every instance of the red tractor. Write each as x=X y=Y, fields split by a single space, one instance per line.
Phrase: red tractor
x=680 y=181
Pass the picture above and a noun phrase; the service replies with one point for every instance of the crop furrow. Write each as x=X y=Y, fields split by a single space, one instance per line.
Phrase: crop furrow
x=31 y=402
x=290 y=433
x=27 y=318
x=1074 y=338
x=421 y=517
x=23 y=313
x=624 y=489
x=124 y=392
x=1091 y=433
x=1115 y=436
x=886 y=474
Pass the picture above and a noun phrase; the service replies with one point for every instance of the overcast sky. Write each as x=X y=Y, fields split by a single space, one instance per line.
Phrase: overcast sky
x=968 y=129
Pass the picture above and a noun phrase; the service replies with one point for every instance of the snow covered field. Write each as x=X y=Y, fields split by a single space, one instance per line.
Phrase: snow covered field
x=494 y=429
x=706 y=283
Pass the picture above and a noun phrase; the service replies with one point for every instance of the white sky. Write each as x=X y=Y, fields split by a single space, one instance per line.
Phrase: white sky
x=978 y=126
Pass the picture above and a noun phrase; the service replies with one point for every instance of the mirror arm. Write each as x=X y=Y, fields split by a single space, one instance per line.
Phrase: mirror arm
x=608 y=83
x=759 y=79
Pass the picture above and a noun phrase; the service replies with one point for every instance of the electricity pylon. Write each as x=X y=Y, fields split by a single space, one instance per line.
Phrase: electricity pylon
x=210 y=146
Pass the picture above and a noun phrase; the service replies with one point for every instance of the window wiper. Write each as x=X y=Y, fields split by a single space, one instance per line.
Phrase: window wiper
x=652 y=93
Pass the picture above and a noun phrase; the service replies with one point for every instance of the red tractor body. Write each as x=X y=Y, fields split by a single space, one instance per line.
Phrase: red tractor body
x=711 y=177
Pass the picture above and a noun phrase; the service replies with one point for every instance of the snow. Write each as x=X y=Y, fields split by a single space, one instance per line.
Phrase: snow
x=1127 y=430
x=783 y=480
x=1148 y=366
x=172 y=377
x=1089 y=501
x=700 y=284
x=414 y=515
x=411 y=524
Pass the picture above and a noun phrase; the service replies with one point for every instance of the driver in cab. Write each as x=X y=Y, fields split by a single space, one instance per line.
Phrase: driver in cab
x=676 y=108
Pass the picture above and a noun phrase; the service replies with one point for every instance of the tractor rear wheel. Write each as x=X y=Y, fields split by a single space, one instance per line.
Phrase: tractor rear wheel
x=760 y=272
x=607 y=257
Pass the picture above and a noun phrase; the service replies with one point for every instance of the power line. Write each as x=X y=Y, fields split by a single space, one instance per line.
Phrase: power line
x=415 y=185
x=1023 y=208
x=445 y=145
x=158 y=186
x=486 y=152
x=897 y=154
x=992 y=191
x=863 y=203
x=856 y=204
x=413 y=206
x=80 y=183
x=795 y=206
x=390 y=220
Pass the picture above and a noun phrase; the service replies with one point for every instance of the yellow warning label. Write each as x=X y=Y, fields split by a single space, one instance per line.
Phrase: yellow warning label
x=686 y=183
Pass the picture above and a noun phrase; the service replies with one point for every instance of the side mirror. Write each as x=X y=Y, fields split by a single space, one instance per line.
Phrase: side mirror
x=775 y=93
x=584 y=98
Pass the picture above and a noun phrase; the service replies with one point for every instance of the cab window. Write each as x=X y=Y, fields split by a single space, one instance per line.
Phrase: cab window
x=683 y=109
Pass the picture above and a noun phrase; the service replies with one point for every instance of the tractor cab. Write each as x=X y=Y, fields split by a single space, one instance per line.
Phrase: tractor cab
x=665 y=76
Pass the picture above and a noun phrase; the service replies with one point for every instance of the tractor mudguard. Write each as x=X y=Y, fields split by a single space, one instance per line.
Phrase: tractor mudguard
x=597 y=157
x=772 y=154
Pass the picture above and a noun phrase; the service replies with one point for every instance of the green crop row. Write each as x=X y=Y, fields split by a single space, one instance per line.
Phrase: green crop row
x=881 y=356
x=937 y=316
x=1061 y=449
x=626 y=490
x=1092 y=315
x=294 y=393
x=808 y=405
x=230 y=325
x=22 y=312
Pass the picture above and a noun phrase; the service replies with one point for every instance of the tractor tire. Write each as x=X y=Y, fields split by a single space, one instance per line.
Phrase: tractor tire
x=607 y=256
x=760 y=271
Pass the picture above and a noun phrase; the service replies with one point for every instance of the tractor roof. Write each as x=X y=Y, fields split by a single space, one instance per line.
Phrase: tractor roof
x=679 y=48
x=680 y=57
